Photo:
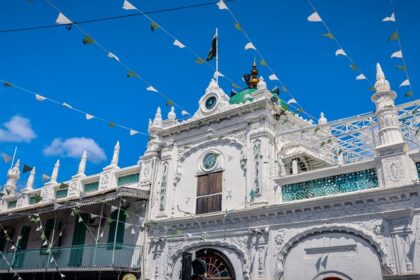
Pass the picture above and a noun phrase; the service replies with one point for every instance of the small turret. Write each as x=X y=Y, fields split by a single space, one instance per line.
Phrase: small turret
x=157 y=121
x=381 y=83
x=12 y=176
x=322 y=119
x=116 y=154
x=82 y=164
x=172 y=114
x=54 y=174
x=30 y=182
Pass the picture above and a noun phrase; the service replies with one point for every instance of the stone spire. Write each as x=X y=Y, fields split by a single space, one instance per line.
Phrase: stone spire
x=172 y=114
x=157 y=121
x=381 y=83
x=116 y=154
x=82 y=164
x=12 y=176
x=54 y=174
x=322 y=119
x=30 y=182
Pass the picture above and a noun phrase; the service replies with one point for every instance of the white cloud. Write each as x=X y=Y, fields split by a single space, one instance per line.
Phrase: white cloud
x=74 y=147
x=17 y=129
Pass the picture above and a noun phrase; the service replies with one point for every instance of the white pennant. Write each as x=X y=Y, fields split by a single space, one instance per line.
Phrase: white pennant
x=184 y=113
x=314 y=17
x=405 y=83
x=249 y=46
x=340 y=52
x=89 y=116
x=390 y=18
x=80 y=220
x=133 y=231
x=39 y=97
x=113 y=208
x=62 y=275
x=222 y=6
x=397 y=54
x=151 y=88
x=52 y=260
x=133 y=132
x=291 y=101
x=102 y=234
x=38 y=228
x=93 y=216
x=217 y=74
x=361 y=77
x=45 y=243
x=273 y=77
x=67 y=105
x=111 y=55
x=128 y=6
x=12 y=247
x=179 y=44
x=62 y=19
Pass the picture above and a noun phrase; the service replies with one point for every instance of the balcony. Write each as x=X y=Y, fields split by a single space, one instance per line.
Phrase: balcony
x=83 y=257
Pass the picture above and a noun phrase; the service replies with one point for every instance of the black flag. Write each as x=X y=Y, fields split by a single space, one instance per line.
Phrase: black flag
x=213 y=50
x=27 y=168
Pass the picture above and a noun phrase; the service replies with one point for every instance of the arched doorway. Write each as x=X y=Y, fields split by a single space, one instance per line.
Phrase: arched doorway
x=218 y=266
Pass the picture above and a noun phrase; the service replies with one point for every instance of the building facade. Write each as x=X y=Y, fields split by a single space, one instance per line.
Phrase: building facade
x=245 y=184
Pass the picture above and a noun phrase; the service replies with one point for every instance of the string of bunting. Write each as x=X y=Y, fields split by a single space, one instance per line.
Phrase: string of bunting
x=395 y=37
x=14 y=247
x=250 y=45
x=88 y=116
x=131 y=73
x=154 y=25
x=315 y=17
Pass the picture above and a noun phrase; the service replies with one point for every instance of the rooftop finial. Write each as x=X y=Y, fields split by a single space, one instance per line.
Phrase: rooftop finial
x=381 y=83
x=82 y=164
x=116 y=155
x=30 y=182
x=54 y=174
x=172 y=114
x=158 y=118
x=322 y=119
x=252 y=78
x=12 y=176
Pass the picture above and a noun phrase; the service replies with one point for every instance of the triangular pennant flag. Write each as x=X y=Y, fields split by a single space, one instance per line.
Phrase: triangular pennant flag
x=217 y=74
x=133 y=231
x=154 y=26
x=39 y=97
x=113 y=208
x=113 y=56
x=45 y=243
x=128 y=6
x=93 y=216
x=222 y=6
x=273 y=77
x=52 y=260
x=235 y=86
x=361 y=77
x=151 y=88
x=67 y=105
x=179 y=44
x=102 y=234
x=402 y=67
x=249 y=46
x=390 y=18
x=133 y=132
x=291 y=101
x=111 y=124
x=276 y=90
x=62 y=275
x=314 y=17
x=405 y=83
x=184 y=113
x=328 y=35
x=263 y=62
x=7 y=84
x=340 y=52
x=45 y=177
x=80 y=219
x=88 y=40
x=354 y=67
x=233 y=92
x=89 y=116
x=408 y=94
x=238 y=26
x=394 y=36
x=6 y=157
x=26 y=168
x=169 y=103
x=397 y=54
x=12 y=247
x=199 y=60
x=132 y=74
x=62 y=19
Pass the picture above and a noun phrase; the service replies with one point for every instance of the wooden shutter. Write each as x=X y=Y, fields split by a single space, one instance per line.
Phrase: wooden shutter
x=209 y=193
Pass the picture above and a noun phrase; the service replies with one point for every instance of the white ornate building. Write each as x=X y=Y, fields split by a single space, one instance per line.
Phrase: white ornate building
x=259 y=192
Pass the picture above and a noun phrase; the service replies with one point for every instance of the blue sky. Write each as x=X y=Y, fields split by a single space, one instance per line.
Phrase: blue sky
x=56 y=64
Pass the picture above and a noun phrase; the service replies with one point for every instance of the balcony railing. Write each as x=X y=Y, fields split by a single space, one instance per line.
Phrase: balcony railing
x=85 y=257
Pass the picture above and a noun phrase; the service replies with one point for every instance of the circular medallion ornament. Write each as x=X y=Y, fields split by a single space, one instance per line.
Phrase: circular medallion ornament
x=209 y=161
x=210 y=102
x=129 y=276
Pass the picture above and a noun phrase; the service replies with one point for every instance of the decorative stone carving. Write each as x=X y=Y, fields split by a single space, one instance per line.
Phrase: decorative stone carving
x=104 y=181
x=393 y=169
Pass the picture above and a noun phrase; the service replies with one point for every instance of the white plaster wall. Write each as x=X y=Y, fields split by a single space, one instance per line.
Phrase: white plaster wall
x=233 y=180
x=363 y=263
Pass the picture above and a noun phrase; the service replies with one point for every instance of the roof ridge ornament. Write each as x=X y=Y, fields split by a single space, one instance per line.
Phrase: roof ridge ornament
x=252 y=79
x=381 y=83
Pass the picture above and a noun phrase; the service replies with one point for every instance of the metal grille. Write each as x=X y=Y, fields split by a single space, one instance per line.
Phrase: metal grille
x=128 y=179
x=91 y=187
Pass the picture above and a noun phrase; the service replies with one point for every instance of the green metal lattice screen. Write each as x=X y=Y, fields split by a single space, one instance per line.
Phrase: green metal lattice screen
x=91 y=187
x=128 y=179
x=34 y=199
x=11 y=204
x=343 y=183
x=62 y=193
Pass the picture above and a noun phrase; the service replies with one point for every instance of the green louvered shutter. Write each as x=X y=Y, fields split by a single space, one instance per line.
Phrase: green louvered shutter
x=79 y=235
x=21 y=246
x=120 y=229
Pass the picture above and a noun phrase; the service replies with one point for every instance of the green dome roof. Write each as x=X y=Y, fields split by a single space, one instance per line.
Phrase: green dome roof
x=242 y=96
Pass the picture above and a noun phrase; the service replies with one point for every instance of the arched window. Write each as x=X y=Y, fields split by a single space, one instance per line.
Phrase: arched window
x=218 y=266
x=301 y=163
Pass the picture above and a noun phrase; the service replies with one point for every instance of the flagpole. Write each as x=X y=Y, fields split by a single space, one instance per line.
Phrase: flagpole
x=217 y=56
x=13 y=159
